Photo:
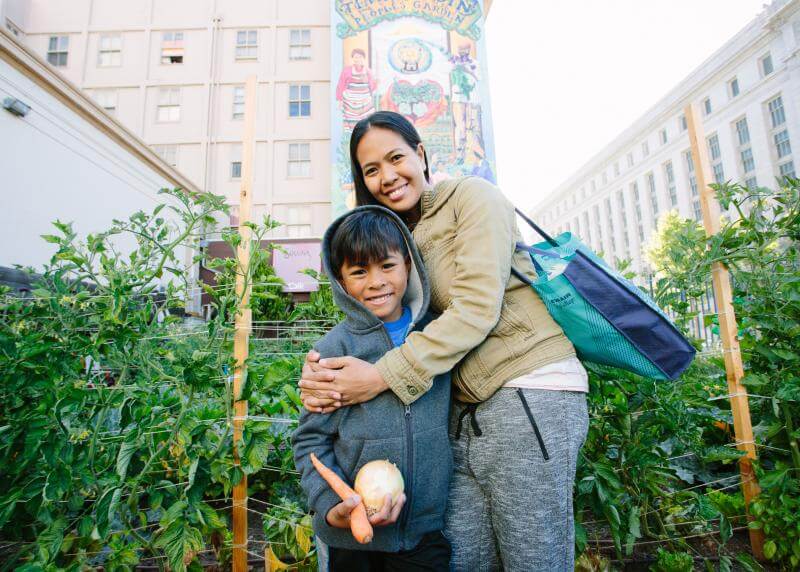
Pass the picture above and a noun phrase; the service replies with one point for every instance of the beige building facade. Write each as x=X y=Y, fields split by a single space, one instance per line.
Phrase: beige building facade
x=173 y=73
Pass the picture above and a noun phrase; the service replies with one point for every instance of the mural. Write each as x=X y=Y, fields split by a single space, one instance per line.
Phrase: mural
x=424 y=59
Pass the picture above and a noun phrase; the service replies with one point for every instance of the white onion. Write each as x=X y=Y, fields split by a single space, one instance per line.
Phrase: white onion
x=375 y=480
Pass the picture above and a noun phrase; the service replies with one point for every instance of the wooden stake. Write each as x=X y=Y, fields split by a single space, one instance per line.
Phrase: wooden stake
x=243 y=323
x=734 y=369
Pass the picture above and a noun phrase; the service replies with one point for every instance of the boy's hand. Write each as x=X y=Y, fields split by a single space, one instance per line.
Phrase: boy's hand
x=339 y=515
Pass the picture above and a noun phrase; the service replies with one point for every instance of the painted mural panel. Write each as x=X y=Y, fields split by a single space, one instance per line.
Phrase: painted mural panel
x=425 y=59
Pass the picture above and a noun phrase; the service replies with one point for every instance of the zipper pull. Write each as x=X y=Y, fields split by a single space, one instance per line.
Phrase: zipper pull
x=408 y=411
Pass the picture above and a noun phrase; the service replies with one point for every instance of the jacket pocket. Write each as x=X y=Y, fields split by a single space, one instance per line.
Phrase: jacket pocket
x=433 y=468
x=379 y=450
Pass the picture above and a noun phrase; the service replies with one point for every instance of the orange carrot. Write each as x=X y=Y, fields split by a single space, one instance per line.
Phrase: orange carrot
x=359 y=523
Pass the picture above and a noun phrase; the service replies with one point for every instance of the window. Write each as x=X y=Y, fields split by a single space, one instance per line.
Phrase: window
x=716 y=159
x=238 y=102
x=298 y=221
x=707 y=106
x=107 y=99
x=637 y=208
x=787 y=170
x=594 y=185
x=169 y=153
x=109 y=53
x=605 y=177
x=616 y=169
x=169 y=105
x=300 y=44
x=733 y=87
x=598 y=227
x=713 y=147
x=662 y=135
x=624 y=218
x=58 y=50
x=690 y=170
x=610 y=219
x=299 y=164
x=586 y=229
x=645 y=149
x=745 y=151
x=247 y=45
x=682 y=123
x=742 y=131
x=172 y=48
x=751 y=183
x=651 y=184
x=765 y=65
x=697 y=210
x=669 y=178
x=776 y=113
x=782 y=145
x=299 y=101
x=630 y=159
x=236 y=169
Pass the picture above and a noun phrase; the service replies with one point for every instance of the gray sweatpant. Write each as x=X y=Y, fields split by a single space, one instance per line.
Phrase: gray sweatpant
x=509 y=508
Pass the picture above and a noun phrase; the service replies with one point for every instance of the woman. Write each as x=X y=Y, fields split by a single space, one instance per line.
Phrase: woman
x=355 y=88
x=520 y=413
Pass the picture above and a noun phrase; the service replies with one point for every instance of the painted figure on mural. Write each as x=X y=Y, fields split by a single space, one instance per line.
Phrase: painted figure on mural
x=355 y=90
x=465 y=100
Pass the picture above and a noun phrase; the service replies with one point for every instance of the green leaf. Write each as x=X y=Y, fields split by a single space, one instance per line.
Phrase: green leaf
x=749 y=563
x=104 y=510
x=725 y=529
x=49 y=541
x=126 y=451
x=770 y=548
x=179 y=541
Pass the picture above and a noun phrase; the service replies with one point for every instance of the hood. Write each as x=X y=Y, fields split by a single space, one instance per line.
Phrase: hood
x=417 y=292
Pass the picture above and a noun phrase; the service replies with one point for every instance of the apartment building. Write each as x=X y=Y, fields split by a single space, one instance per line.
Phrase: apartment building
x=747 y=92
x=173 y=73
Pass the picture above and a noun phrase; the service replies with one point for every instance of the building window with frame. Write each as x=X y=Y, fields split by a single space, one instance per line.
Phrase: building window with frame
x=298 y=222
x=107 y=99
x=172 y=48
x=300 y=100
x=669 y=179
x=247 y=44
x=58 y=51
x=707 y=106
x=109 y=51
x=630 y=159
x=746 y=160
x=697 y=210
x=765 y=65
x=782 y=145
x=598 y=227
x=637 y=209
x=610 y=218
x=624 y=218
x=751 y=183
x=169 y=153
x=777 y=115
x=616 y=169
x=299 y=163
x=733 y=87
x=645 y=148
x=238 y=102
x=169 y=105
x=651 y=184
x=586 y=228
x=716 y=159
x=787 y=170
x=682 y=122
x=690 y=171
x=662 y=135
x=605 y=177
x=236 y=170
x=300 y=44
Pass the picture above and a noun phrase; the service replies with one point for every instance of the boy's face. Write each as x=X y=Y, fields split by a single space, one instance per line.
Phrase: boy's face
x=380 y=285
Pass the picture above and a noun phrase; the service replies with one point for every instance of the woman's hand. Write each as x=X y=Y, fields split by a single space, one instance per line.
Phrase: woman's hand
x=339 y=515
x=333 y=382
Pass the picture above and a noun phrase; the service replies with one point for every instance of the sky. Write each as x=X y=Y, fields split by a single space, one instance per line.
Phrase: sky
x=567 y=76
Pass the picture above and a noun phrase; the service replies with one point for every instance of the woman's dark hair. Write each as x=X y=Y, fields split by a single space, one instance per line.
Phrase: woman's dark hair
x=384 y=120
x=365 y=237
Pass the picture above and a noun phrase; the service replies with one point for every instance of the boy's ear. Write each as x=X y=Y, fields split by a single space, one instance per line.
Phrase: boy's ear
x=408 y=264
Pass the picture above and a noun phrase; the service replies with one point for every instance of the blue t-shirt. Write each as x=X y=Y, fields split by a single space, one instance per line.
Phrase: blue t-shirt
x=399 y=328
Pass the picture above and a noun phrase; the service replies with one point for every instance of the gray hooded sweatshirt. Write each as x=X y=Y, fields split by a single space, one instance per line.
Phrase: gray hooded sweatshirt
x=413 y=437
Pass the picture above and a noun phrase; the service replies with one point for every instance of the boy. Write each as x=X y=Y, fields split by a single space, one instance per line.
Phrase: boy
x=378 y=281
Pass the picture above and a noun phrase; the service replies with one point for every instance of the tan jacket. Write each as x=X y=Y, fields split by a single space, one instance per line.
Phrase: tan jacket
x=492 y=328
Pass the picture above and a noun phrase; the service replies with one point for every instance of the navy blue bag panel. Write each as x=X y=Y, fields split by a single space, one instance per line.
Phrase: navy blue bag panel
x=645 y=328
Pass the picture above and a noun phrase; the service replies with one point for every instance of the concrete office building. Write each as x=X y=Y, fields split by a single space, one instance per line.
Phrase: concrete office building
x=748 y=94
x=173 y=72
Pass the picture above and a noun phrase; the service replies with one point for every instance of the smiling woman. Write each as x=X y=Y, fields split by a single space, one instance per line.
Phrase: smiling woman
x=510 y=500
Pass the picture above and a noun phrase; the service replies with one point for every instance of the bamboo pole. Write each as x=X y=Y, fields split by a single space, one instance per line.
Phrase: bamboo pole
x=243 y=323
x=734 y=369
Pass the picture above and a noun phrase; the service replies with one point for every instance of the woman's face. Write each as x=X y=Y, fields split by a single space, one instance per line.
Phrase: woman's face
x=393 y=172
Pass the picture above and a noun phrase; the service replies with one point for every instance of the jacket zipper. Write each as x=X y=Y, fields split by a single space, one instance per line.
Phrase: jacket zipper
x=409 y=481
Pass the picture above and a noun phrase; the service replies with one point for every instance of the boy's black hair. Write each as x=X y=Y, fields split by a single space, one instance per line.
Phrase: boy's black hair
x=365 y=237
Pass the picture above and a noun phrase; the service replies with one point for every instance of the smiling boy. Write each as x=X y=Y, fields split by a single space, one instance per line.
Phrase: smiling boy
x=378 y=281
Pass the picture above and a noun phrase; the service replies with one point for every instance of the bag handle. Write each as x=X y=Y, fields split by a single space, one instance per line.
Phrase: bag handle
x=537 y=228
